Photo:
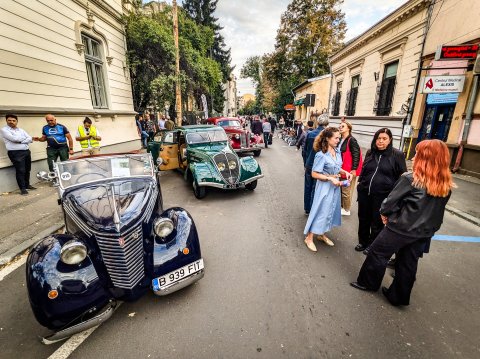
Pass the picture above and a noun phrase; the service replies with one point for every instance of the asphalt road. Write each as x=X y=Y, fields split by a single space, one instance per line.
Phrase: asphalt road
x=264 y=295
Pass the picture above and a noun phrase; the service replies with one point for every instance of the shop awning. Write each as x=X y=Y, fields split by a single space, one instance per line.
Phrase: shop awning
x=289 y=107
x=299 y=102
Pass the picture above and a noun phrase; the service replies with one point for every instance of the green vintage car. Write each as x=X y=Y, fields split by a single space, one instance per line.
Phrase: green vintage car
x=203 y=154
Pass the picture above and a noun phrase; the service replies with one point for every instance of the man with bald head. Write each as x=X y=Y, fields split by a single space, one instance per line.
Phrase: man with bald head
x=59 y=141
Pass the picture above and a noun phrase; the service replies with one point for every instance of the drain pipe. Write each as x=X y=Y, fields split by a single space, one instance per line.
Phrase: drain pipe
x=468 y=121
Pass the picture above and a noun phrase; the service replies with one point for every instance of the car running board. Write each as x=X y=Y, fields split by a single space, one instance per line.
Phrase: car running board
x=105 y=314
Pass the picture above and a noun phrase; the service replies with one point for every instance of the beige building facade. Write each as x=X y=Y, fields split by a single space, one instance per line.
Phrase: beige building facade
x=230 y=94
x=443 y=115
x=309 y=108
x=373 y=75
x=66 y=58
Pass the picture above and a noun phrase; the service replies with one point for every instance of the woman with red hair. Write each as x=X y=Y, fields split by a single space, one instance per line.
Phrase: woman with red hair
x=412 y=213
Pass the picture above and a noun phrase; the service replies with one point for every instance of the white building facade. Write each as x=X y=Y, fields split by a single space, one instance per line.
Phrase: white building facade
x=67 y=58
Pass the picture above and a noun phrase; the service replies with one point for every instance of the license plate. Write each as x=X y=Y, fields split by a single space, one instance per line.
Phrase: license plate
x=172 y=277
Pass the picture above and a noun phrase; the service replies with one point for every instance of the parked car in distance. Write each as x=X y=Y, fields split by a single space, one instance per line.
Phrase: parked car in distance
x=241 y=140
x=204 y=155
x=118 y=243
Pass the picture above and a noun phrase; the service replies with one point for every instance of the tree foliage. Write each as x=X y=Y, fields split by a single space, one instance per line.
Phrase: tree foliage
x=310 y=31
x=151 y=58
x=202 y=12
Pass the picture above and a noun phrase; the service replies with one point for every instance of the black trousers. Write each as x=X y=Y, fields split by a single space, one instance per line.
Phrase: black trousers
x=369 y=220
x=408 y=250
x=22 y=161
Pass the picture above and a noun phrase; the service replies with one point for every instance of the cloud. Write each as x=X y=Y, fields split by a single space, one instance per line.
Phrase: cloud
x=250 y=26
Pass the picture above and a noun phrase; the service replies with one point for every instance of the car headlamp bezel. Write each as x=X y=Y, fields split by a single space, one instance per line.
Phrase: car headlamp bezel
x=73 y=252
x=232 y=164
x=237 y=136
x=221 y=166
x=163 y=227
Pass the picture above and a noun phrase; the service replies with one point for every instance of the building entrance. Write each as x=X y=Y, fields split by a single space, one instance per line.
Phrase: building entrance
x=438 y=117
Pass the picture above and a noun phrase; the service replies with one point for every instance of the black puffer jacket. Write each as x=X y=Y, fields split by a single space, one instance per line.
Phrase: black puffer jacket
x=354 y=149
x=381 y=170
x=411 y=211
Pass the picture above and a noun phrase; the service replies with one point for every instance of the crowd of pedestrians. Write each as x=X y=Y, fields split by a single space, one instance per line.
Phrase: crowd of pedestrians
x=398 y=211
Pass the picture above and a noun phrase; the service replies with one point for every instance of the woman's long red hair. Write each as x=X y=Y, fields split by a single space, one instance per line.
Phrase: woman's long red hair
x=431 y=168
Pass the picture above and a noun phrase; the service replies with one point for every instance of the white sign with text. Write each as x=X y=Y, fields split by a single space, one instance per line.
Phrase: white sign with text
x=438 y=84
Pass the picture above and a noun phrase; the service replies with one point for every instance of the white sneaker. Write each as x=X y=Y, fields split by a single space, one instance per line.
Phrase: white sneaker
x=345 y=213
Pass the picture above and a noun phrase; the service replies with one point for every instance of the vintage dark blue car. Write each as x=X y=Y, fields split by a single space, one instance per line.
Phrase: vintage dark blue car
x=118 y=243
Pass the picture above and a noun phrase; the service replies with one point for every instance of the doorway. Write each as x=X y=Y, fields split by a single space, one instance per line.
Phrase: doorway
x=436 y=122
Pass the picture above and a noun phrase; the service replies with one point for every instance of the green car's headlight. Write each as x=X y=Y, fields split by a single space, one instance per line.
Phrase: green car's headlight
x=73 y=252
x=232 y=165
x=163 y=227
x=221 y=166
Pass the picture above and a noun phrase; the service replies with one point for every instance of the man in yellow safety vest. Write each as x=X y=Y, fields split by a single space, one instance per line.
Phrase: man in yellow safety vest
x=89 y=138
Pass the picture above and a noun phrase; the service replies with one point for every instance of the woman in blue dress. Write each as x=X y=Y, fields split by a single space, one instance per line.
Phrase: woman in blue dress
x=326 y=209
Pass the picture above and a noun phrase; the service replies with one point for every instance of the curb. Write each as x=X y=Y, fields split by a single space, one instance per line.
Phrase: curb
x=9 y=255
x=463 y=215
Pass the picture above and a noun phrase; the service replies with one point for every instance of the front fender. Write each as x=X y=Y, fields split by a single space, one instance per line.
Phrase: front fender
x=79 y=287
x=168 y=253
x=204 y=172
x=250 y=168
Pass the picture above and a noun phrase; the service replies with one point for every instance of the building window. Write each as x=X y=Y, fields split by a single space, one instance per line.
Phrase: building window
x=94 y=64
x=387 y=89
x=351 y=99
x=336 y=100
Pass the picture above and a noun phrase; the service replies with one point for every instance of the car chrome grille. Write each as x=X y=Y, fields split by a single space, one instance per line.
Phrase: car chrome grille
x=231 y=176
x=243 y=140
x=123 y=257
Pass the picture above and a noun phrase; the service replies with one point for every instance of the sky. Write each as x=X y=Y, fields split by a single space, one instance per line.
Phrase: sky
x=250 y=26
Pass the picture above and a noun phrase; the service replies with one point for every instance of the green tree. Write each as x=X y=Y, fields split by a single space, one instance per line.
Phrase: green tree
x=202 y=11
x=151 y=58
x=310 y=31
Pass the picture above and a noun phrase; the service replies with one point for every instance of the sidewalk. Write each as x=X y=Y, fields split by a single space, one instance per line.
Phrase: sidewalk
x=26 y=219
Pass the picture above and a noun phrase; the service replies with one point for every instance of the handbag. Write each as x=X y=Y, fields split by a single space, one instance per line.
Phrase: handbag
x=347 y=159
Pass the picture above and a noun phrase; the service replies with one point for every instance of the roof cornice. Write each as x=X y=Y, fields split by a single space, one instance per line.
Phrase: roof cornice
x=404 y=12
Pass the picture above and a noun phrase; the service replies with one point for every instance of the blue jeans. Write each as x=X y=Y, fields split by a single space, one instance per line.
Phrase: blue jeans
x=266 y=137
x=144 y=139
x=308 y=190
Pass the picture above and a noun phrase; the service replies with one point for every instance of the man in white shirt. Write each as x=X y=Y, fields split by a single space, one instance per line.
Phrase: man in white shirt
x=16 y=141
x=161 y=123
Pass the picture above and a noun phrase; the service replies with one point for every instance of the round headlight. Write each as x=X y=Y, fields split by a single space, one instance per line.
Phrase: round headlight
x=73 y=252
x=163 y=227
x=232 y=165
x=221 y=166
x=237 y=136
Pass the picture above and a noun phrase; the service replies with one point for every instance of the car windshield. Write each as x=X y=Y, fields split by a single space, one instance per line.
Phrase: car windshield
x=206 y=136
x=228 y=123
x=91 y=169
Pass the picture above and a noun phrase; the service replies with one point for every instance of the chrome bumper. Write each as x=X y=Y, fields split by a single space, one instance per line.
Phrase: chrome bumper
x=230 y=186
x=104 y=314
x=250 y=149
x=185 y=282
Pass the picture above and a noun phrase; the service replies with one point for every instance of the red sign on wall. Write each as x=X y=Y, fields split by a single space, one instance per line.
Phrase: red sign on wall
x=465 y=52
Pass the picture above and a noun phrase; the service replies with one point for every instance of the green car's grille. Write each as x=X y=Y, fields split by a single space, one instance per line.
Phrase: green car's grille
x=229 y=175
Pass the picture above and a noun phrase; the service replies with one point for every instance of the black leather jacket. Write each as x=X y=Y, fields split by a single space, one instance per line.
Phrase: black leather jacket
x=381 y=170
x=411 y=211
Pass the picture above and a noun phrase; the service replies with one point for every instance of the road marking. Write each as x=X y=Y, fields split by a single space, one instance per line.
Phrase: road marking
x=13 y=266
x=74 y=341
x=439 y=237
x=71 y=344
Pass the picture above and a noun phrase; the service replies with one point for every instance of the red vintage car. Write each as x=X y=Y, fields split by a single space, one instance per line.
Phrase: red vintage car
x=241 y=140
